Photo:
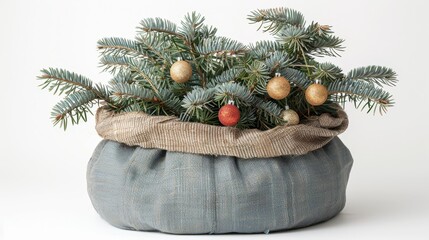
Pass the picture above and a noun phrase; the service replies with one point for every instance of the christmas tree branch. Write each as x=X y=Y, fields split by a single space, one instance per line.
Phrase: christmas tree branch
x=374 y=74
x=327 y=72
x=232 y=91
x=275 y=19
x=62 y=81
x=264 y=49
x=74 y=107
x=360 y=92
x=296 y=77
x=197 y=104
x=220 y=46
x=226 y=76
x=268 y=113
x=120 y=46
x=124 y=91
x=159 y=25
x=141 y=67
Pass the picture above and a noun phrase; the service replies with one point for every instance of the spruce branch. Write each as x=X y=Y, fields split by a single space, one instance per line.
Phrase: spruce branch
x=120 y=46
x=247 y=118
x=124 y=76
x=208 y=31
x=220 y=46
x=296 y=77
x=256 y=77
x=327 y=72
x=326 y=45
x=264 y=49
x=142 y=68
x=268 y=113
x=275 y=19
x=374 y=74
x=62 y=81
x=168 y=103
x=233 y=91
x=228 y=75
x=277 y=61
x=74 y=107
x=191 y=27
x=156 y=46
x=361 y=93
x=159 y=25
x=295 y=38
x=198 y=104
x=123 y=92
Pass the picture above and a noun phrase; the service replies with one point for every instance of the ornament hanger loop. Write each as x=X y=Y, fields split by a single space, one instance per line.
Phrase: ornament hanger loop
x=277 y=74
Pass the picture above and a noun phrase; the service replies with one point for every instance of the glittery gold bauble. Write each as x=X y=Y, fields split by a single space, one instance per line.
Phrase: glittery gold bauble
x=316 y=94
x=290 y=117
x=181 y=71
x=278 y=88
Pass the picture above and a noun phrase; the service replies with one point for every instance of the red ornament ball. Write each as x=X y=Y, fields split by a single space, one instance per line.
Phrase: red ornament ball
x=229 y=115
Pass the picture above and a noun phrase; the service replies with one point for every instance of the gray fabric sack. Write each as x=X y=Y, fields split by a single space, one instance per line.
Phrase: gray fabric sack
x=151 y=189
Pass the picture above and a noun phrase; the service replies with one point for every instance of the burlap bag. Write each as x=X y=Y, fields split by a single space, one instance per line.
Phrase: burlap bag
x=155 y=173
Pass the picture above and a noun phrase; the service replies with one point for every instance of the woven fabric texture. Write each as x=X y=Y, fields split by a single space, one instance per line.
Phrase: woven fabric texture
x=169 y=133
x=183 y=193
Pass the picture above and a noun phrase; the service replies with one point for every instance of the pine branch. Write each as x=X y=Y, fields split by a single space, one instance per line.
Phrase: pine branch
x=221 y=46
x=157 y=46
x=277 y=61
x=326 y=45
x=74 y=107
x=361 y=92
x=295 y=39
x=327 y=72
x=123 y=92
x=268 y=113
x=275 y=19
x=247 y=118
x=256 y=77
x=142 y=68
x=62 y=81
x=207 y=31
x=233 y=91
x=198 y=103
x=125 y=76
x=192 y=25
x=264 y=49
x=168 y=103
x=120 y=46
x=229 y=75
x=374 y=74
x=159 y=25
x=296 y=77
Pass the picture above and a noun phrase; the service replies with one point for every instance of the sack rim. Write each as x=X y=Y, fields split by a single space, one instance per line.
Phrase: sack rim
x=169 y=133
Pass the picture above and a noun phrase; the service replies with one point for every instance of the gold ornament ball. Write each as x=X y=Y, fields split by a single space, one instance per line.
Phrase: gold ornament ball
x=316 y=94
x=290 y=117
x=278 y=88
x=181 y=71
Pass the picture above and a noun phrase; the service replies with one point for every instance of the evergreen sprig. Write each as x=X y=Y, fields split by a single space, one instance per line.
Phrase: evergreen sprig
x=61 y=81
x=73 y=108
x=374 y=74
x=224 y=70
x=364 y=95
x=275 y=19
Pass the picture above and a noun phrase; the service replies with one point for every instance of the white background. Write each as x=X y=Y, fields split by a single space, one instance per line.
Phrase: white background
x=42 y=169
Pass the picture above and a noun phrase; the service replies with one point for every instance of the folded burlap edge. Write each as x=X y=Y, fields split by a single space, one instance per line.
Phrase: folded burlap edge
x=169 y=133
